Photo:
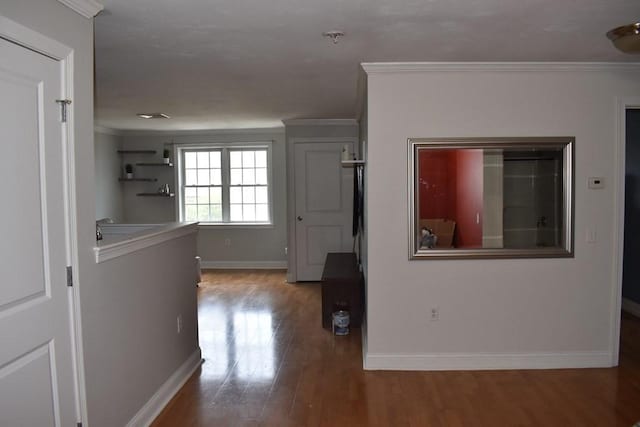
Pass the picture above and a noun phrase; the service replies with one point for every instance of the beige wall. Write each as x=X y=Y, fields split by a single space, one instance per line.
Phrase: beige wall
x=250 y=247
x=493 y=313
x=107 y=166
x=301 y=129
x=134 y=318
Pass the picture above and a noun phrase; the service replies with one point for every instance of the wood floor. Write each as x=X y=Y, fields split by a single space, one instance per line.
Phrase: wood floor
x=269 y=363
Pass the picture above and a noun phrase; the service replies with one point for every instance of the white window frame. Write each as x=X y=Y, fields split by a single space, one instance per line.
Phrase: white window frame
x=225 y=148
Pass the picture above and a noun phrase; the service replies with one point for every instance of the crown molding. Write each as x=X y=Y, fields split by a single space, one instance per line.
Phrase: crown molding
x=201 y=132
x=320 y=122
x=419 y=67
x=86 y=8
x=106 y=131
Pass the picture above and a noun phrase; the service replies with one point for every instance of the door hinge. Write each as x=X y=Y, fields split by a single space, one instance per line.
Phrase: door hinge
x=69 y=276
x=63 y=109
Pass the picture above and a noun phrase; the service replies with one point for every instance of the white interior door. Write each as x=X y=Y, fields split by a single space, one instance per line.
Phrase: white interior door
x=324 y=200
x=36 y=358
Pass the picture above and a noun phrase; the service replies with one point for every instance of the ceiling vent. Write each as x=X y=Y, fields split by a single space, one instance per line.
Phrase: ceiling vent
x=152 y=116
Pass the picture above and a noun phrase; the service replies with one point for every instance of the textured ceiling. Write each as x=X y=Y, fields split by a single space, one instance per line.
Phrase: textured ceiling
x=223 y=64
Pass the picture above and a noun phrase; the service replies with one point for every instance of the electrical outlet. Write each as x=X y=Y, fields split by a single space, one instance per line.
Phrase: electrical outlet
x=227 y=242
x=179 y=323
x=435 y=314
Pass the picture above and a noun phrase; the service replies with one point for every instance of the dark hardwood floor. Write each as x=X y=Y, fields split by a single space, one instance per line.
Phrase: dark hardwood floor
x=269 y=363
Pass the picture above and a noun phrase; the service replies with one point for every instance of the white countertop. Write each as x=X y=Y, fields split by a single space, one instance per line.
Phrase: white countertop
x=145 y=235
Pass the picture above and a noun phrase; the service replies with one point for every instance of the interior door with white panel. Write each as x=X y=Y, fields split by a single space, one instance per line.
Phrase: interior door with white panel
x=36 y=355
x=323 y=201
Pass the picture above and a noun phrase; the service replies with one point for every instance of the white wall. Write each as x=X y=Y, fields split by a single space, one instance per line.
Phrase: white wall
x=493 y=313
x=107 y=166
x=250 y=246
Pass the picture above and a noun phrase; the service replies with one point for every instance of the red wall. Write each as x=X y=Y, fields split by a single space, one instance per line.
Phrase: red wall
x=437 y=183
x=469 y=185
x=450 y=187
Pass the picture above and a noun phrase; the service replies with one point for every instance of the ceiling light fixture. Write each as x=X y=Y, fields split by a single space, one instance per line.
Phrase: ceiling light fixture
x=152 y=116
x=626 y=38
x=333 y=35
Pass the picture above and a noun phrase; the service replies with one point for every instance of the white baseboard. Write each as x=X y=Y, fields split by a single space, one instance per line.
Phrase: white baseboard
x=245 y=265
x=631 y=307
x=165 y=393
x=472 y=362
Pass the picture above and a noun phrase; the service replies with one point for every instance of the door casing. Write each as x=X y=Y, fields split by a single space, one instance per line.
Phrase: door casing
x=292 y=273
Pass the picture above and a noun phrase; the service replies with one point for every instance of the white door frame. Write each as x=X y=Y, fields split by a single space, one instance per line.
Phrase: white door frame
x=622 y=105
x=292 y=270
x=44 y=45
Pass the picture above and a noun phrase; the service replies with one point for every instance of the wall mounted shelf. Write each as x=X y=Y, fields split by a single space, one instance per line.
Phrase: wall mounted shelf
x=156 y=194
x=137 y=151
x=170 y=165
x=138 y=179
x=347 y=163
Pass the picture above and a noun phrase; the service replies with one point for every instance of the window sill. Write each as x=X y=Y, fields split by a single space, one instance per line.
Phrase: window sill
x=213 y=225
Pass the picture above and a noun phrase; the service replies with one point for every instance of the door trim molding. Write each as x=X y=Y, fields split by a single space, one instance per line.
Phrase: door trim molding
x=33 y=40
x=292 y=272
x=622 y=105
x=86 y=8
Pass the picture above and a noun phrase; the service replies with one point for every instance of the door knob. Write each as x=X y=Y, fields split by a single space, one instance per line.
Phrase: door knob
x=299 y=218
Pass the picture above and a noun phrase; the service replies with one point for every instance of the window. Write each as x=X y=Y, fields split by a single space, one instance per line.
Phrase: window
x=225 y=184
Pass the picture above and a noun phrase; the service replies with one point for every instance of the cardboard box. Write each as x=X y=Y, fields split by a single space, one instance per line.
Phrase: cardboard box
x=443 y=228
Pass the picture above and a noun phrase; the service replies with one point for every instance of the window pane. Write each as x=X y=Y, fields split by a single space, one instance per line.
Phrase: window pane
x=190 y=160
x=261 y=176
x=261 y=159
x=235 y=213
x=203 y=176
x=190 y=196
x=262 y=195
x=235 y=194
x=216 y=177
x=235 y=159
x=262 y=212
x=203 y=196
x=203 y=213
x=190 y=177
x=216 y=213
x=249 y=212
x=191 y=212
x=248 y=195
x=203 y=159
x=215 y=195
x=214 y=159
x=248 y=159
x=247 y=189
x=248 y=177
x=236 y=176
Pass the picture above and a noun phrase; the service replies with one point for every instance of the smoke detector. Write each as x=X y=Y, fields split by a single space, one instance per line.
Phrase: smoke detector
x=333 y=35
